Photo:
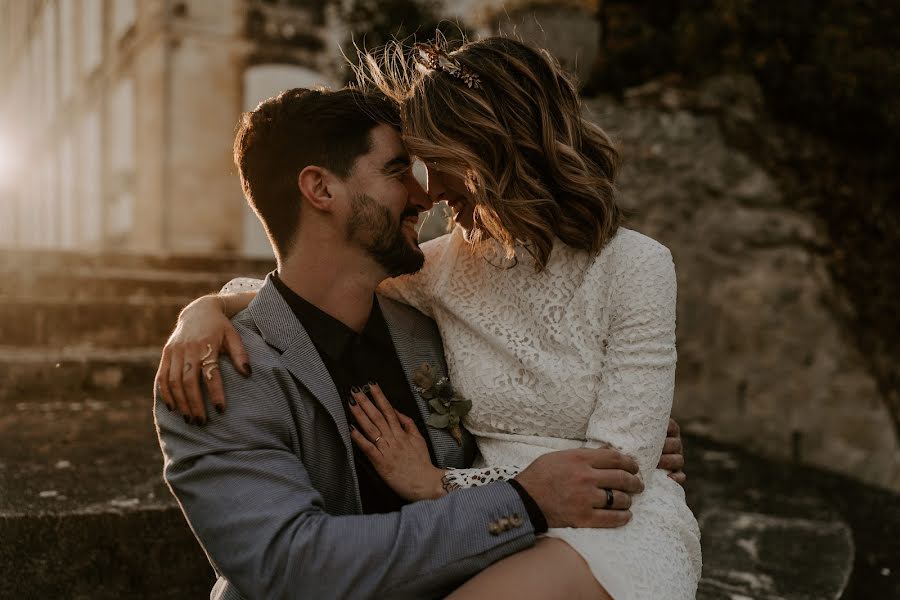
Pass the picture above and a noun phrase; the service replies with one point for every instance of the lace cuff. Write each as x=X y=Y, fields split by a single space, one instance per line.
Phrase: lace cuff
x=242 y=284
x=457 y=479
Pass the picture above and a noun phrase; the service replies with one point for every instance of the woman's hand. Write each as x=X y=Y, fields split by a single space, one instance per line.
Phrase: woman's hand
x=192 y=355
x=672 y=458
x=393 y=444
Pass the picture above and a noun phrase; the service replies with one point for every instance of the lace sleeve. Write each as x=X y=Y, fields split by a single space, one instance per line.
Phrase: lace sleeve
x=242 y=284
x=457 y=479
x=638 y=374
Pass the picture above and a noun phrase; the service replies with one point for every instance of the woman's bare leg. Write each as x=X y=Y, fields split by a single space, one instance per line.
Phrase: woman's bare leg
x=549 y=569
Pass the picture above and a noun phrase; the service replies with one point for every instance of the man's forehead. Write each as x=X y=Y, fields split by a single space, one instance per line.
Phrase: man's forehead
x=387 y=143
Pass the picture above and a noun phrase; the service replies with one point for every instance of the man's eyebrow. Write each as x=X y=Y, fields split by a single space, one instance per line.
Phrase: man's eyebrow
x=398 y=163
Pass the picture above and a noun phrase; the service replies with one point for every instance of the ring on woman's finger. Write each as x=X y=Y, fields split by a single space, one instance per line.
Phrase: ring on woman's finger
x=209 y=352
x=208 y=369
x=610 y=498
x=378 y=438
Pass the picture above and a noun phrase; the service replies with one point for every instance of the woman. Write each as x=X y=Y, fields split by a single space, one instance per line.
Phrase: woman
x=555 y=319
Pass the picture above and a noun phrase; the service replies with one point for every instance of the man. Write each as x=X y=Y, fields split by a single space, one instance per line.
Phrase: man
x=279 y=498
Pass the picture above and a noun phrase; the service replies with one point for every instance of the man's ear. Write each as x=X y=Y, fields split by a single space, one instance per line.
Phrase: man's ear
x=314 y=183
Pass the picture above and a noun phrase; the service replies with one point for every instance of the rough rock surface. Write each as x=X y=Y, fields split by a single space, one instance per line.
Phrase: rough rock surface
x=765 y=359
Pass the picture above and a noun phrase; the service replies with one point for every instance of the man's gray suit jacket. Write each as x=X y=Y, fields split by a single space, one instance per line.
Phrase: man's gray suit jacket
x=270 y=489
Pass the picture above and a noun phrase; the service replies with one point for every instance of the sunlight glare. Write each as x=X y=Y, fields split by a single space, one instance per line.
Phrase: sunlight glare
x=8 y=161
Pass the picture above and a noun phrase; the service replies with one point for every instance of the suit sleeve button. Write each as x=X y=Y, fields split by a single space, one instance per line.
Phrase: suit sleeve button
x=516 y=520
x=495 y=529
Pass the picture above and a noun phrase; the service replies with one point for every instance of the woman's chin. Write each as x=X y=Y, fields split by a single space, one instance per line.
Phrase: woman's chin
x=464 y=220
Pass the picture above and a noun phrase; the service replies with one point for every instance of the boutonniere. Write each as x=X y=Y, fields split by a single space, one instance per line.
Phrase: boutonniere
x=447 y=407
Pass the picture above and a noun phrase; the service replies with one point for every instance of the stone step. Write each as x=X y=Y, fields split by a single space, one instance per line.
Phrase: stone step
x=814 y=534
x=84 y=511
x=113 y=324
x=64 y=374
x=81 y=486
x=754 y=555
x=12 y=260
x=87 y=284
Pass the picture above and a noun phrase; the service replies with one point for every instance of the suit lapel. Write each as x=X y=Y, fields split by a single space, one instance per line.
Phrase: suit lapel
x=415 y=347
x=281 y=329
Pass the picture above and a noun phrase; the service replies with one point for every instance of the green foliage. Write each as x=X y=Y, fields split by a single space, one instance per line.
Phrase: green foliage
x=832 y=66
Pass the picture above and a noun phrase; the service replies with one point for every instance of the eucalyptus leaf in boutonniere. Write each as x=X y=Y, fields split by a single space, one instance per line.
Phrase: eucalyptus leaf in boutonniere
x=447 y=407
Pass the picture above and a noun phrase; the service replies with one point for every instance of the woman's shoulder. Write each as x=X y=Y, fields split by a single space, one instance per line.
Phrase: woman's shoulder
x=632 y=264
x=629 y=248
x=440 y=246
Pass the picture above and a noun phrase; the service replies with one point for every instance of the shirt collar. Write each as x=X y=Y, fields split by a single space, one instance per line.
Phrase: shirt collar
x=330 y=335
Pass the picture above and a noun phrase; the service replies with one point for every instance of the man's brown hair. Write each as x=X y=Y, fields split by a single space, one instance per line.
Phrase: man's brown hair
x=295 y=129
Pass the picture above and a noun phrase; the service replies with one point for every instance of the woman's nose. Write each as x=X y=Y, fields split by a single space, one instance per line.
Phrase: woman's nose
x=435 y=183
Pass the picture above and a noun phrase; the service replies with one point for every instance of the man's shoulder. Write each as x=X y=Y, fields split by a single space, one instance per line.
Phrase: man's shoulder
x=394 y=310
x=259 y=351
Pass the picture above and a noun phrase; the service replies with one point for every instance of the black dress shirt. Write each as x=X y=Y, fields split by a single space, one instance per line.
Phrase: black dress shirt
x=355 y=359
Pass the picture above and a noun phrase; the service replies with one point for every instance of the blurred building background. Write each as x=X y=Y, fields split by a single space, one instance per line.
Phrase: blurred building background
x=98 y=88
x=758 y=142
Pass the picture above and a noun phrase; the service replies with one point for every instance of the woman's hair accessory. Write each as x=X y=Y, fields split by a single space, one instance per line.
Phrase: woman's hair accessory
x=432 y=56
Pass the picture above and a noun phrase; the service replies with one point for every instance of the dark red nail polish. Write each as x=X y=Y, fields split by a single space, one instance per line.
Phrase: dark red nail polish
x=355 y=389
x=187 y=419
x=220 y=408
x=352 y=401
x=170 y=407
x=352 y=428
x=248 y=369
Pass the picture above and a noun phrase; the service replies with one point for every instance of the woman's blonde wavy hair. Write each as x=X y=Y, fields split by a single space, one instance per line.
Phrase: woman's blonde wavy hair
x=537 y=169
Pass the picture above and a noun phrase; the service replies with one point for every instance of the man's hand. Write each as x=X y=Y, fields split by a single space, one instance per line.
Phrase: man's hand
x=568 y=486
x=672 y=458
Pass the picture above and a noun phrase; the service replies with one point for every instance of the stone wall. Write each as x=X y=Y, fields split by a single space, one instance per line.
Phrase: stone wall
x=766 y=359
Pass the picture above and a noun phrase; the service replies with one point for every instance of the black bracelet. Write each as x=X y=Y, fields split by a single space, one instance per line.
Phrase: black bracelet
x=538 y=520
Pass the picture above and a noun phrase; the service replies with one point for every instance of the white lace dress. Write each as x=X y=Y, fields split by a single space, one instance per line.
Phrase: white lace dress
x=579 y=355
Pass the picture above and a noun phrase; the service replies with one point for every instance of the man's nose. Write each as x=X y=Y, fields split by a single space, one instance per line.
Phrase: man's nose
x=418 y=197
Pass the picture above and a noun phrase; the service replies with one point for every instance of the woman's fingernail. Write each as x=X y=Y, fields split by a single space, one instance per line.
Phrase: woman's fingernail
x=356 y=390
x=352 y=428
x=220 y=408
x=352 y=401
x=169 y=406
x=187 y=419
x=247 y=369
x=366 y=389
x=199 y=420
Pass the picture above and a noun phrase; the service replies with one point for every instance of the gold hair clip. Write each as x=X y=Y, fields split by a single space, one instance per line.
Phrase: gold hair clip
x=432 y=57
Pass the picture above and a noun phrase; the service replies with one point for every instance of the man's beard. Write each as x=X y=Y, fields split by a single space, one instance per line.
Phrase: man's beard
x=385 y=241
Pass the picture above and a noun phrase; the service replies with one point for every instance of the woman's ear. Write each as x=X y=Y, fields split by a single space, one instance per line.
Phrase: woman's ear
x=314 y=184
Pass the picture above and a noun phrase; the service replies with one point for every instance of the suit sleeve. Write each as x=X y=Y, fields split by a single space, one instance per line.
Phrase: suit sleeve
x=638 y=375
x=249 y=499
